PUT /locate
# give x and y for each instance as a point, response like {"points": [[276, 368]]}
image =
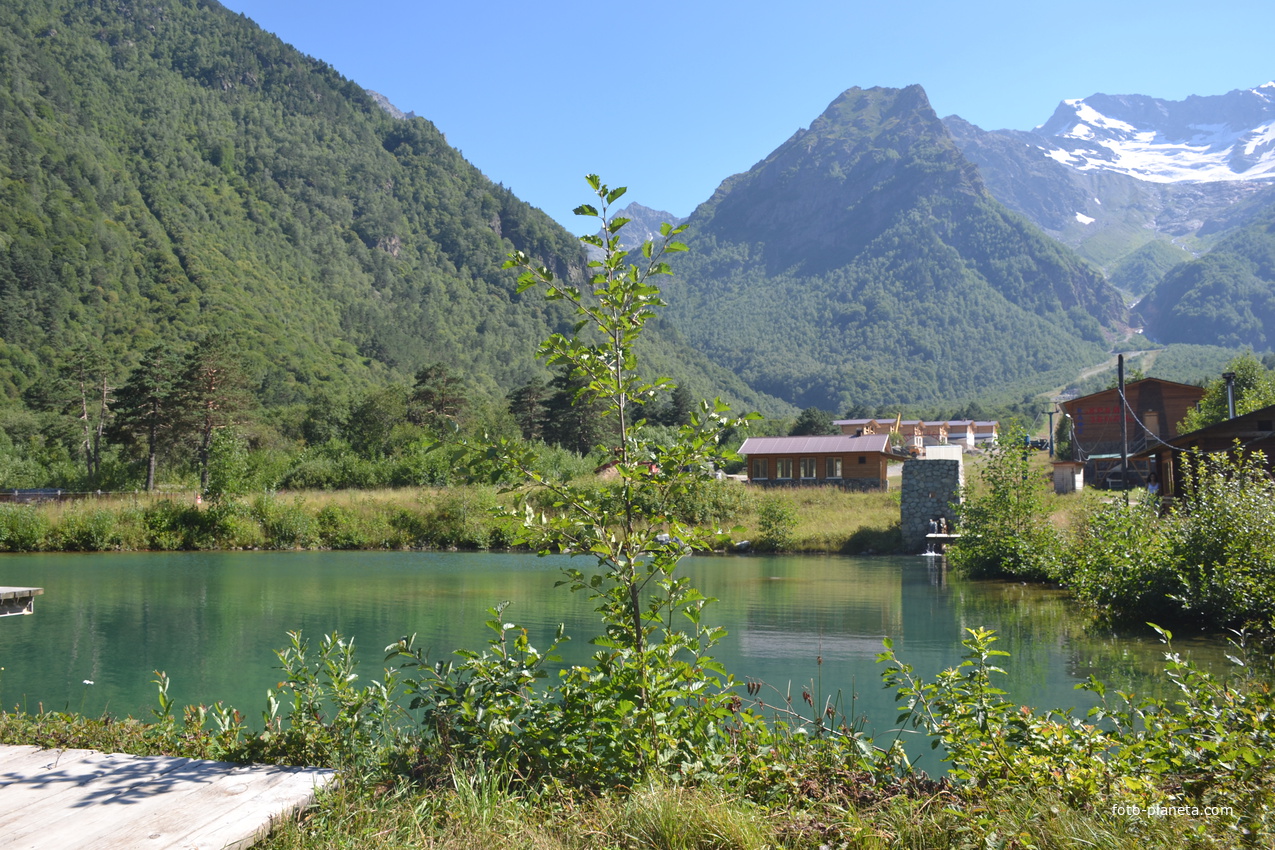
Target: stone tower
{"points": [[931, 489]]}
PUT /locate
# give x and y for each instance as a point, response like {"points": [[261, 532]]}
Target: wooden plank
{"points": [[83, 798], [18, 600], [19, 760], [72, 797], [32, 778]]}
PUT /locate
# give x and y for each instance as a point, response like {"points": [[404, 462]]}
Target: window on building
{"points": [[863, 459], [808, 467], [833, 468], [759, 467], [783, 467]]}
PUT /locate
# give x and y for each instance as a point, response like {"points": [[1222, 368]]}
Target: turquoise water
{"points": [[213, 620]]}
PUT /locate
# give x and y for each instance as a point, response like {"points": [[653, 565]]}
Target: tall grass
{"points": [[828, 520]]}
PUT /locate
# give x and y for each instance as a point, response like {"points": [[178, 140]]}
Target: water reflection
{"points": [[212, 621]]}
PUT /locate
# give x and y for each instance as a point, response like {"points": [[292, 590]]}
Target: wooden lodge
{"points": [[1248, 433], [917, 434], [986, 431], [865, 427], [857, 463], [1152, 410]]}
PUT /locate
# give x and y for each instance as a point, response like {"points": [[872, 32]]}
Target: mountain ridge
{"points": [[896, 247]]}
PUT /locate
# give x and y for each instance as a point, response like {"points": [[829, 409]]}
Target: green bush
{"points": [[23, 528], [462, 518], [167, 525], [1119, 559], [1212, 746], [86, 529], [285, 525], [228, 524], [344, 528], [228, 465], [1005, 531], [776, 522], [1222, 540], [410, 529]]}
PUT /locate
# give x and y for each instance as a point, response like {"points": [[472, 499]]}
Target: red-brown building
{"points": [[841, 460], [1151, 411]]}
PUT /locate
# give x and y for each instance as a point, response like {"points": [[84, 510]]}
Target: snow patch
{"points": [[1084, 219], [1262, 137], [1092, 116], [1196, 154]]}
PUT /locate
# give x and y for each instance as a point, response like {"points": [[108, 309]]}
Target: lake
{"points": [[213, 620]]}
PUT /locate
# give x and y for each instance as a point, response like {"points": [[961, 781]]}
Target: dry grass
{"points": [[831, 520]]}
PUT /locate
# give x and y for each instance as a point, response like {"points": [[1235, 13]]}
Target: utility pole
{"points": [[1124, 426]]}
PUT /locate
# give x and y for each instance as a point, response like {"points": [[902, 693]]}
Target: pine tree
{"points": [[214, 394], [148, 408]]}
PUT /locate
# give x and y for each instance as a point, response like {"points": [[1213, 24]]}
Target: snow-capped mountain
{"points": [[1135, 183], [1200, 139]]}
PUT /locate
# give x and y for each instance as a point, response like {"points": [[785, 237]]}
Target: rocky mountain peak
{"points": [[1199, 139]]}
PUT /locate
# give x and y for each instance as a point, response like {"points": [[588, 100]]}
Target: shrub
{"points": [[776, 522], [1119, 559], [23, 528], [83, 529], [286, 525], [167, 525], [462, 518], [343, 528], [1222, 540], [1004, 528]]}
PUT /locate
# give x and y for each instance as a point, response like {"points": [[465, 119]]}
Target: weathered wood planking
{"points": [[18, 600], [87, 799]]}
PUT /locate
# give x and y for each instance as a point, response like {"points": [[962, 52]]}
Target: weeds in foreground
{"points": [[1017, 777]]}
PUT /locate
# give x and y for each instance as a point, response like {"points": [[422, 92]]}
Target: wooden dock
{"points": [[18, 600], [88, 799]]}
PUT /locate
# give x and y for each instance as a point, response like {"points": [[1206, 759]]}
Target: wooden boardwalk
{"points": [[87, 799]]}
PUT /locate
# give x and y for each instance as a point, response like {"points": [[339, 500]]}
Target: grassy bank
{"points": [[1019, 779], [810, 520]]}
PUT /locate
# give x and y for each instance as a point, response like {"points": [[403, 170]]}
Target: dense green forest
{"points": [[1228, 294], [171, 170], [171, 174], [1140, 271], [864, 263]]}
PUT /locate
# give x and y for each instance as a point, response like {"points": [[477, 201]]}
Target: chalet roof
{"points": [[1073, 402], [832, 444], [986, 423]]}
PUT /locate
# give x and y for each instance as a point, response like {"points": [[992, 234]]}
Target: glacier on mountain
{"points": [[1198, 140]]}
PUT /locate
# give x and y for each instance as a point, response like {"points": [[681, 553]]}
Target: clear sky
{"points": [[670, 99]]}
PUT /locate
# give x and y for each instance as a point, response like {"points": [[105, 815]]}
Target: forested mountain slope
{"points": [[167, 169], [1227, 295], [864, 263]]}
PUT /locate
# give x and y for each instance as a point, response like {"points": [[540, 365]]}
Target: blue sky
{"points": [[670, 99]]}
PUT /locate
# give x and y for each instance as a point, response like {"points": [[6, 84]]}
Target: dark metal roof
{"points": [[833, 444], [1221, 435]]}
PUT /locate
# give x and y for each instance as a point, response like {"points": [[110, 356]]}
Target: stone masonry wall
{"points": [[929, 489]]}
